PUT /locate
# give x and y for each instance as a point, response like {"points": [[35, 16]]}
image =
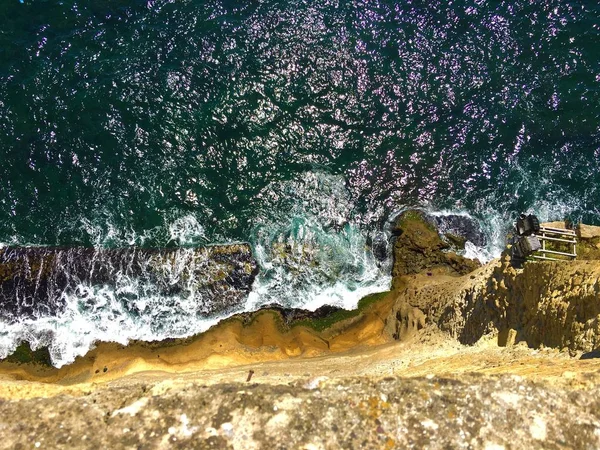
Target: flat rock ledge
{"points": [[474, 411]]}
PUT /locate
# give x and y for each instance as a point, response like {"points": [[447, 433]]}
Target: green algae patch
{"points": [[324, 323], [23, 354], [327, 321], [458, 242], [414, 219], [371, 299]]}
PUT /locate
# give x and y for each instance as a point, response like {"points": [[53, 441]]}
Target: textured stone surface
{"points": [[33, 280], [418, 247], [554, 304], [557, 224], [436, 413], [588, 231]]}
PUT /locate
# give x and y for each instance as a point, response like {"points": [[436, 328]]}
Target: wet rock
{"points": [[291, 315], [418, 246], [379, 244], [456, 241], [34, 281], [458, 228]]}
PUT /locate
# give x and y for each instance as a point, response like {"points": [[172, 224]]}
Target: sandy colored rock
{"points": [[496, 358], [558, 224], [588, 231], [388, 413], [507, 338], [428, 391], [554, 304], [254, 337]]}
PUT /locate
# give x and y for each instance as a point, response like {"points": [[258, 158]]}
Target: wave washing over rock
{"points": [[428, 390], [310, 254], [67, 299], [300, 128]]}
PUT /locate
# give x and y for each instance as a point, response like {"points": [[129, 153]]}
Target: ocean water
{"points": [[302, 127]]}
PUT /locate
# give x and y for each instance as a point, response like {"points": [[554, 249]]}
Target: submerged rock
{"points": [[458, 228], [36, 281]]}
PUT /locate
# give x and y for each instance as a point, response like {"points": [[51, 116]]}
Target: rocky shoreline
{"points": [[446, 317]]}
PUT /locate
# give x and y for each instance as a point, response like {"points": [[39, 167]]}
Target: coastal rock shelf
{"points": [[37, 281]]}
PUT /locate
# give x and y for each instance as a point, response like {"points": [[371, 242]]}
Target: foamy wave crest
{"points": [[304, 265], [312, 253], [67, 299], [177, 229], [97, 314], [186, 230]]}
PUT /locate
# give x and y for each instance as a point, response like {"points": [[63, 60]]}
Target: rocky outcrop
{"points": [[419, 247], [314, 413], [588, 231], [271, 333], [457, 229], [588, 245], [34, 281], [552, 304]]}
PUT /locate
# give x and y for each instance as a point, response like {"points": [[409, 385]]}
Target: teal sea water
{"points": [[297, 125]]}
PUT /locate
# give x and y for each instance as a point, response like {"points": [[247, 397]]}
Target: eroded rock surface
{"points": [[436, 413], [35, 281], [419, 247], [554, 304]]}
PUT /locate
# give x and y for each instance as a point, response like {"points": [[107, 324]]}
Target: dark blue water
{"points": [[301, 127]]}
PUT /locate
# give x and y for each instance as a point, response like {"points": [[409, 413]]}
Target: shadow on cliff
{"points": [[591, 355]]}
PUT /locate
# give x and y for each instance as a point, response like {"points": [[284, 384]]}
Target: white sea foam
{"points": [[183, 229], [311, 253], [186, 230], [95, 313], [314, 267], [320, 267]]}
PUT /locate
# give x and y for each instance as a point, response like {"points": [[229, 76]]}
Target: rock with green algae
{"points": [[35, 281], [419, 247], [456, 241], [23, 354], [501, 412]]}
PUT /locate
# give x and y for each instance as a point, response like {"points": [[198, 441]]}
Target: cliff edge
{"points": [[455, 355]]}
